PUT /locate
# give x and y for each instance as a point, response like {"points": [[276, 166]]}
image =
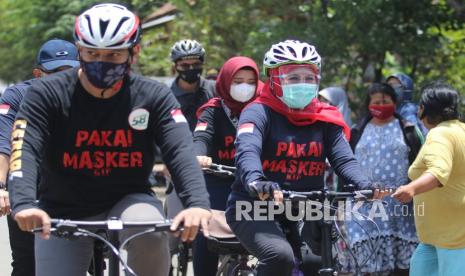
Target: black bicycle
{"points": [[234, 259], [230, 250], [71, 229], [326, 224]]}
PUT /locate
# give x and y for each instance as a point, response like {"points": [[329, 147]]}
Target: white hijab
{"points": [[338, 98]]}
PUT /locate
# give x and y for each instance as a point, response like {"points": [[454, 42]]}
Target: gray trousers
{"points": [[148, 255]]}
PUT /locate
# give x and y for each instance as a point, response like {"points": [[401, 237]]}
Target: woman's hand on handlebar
{"points": [[204, 161], [28, 219], [380, 193], [263, 190]]}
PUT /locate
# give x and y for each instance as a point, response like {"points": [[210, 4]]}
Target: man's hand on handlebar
{"points": [[204, 161], [191, 219], [28, 219]]}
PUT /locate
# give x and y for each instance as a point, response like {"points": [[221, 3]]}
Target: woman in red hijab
{"points": [[237, 85]]}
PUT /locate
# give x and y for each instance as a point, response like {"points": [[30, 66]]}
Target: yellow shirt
{"points": [[440, 213]]}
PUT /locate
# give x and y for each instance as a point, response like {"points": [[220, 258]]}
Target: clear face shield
{"points": [[299, 84]]}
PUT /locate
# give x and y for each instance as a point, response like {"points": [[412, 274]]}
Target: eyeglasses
{"points": [[187, 66], [297, 78]]}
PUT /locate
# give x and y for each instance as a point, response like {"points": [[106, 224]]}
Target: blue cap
{"points": [[56, 53]]}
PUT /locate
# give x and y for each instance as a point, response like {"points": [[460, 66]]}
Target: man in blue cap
{"points": [[55, 55], [403, 85]]}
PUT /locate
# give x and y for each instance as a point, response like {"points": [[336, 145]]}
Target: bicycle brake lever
{"points": [[297, 197], [39, 230], [359, 196], [66, 230]]}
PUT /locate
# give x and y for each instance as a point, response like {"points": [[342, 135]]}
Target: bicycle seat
{"points": [[222, 240], [218, 227], [229, 246]]}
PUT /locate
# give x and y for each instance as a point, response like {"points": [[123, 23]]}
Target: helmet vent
{"points": [[304, 51], [87, 42], [292, 51], [280, 57], [103, 27], [185, 48], [117, 44], [124, 19], [87, 17], [276, 51]]}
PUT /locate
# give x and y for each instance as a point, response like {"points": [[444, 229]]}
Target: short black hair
{"points": [[440, 102], [382, 88]]}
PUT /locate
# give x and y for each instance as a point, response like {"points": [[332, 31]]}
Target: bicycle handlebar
{"points": [[219, 169], [72, 229], [321, 195], [223, 167], [110, 224]]}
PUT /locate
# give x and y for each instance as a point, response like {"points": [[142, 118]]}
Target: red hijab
{"points": [[315, 111], [223, 85]]}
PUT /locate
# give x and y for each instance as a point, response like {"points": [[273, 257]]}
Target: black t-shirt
{"points": [[96, 151], [214, 136], [190, 102]]}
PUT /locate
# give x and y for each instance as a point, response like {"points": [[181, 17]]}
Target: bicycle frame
{"points": [[326, 224]]}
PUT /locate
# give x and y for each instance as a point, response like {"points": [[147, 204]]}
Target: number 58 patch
{"points": [[139, 119]]}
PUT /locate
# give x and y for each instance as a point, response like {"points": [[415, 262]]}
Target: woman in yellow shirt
{"points": [[438, 186]]}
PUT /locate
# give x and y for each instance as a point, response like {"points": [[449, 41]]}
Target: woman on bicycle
{"points": [[438, 186], [283, 140], [237, 85]]}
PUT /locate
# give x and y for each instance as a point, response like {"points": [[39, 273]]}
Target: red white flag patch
{"points": [[201, 126], [245, 128], [178, 117], [4, 108]]}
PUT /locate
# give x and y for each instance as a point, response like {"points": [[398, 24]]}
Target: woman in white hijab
{"points": [[336, 96]]}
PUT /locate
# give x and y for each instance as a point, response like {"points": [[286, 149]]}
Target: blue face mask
{"points": [[104, 74], [299, 95]]}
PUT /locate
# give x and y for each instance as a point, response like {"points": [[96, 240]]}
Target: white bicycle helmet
{"points": [[187, 48], [107, 26], [291, 51]]}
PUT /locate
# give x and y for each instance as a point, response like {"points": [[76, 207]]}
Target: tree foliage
{"points": [[360, 41], [27, 24]]}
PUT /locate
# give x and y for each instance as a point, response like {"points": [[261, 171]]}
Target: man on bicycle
{"points": [[190, 89], [55, 55], [90, 133]]}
